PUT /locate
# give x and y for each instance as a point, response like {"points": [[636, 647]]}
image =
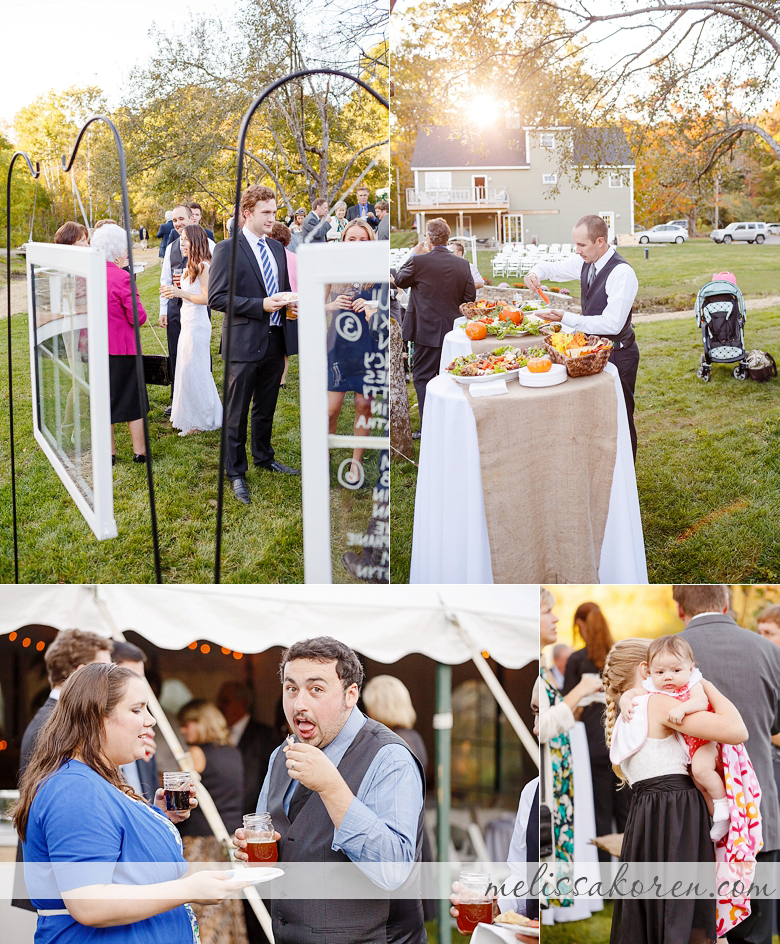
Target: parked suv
{"points": [[740, 232], [683, 223]]}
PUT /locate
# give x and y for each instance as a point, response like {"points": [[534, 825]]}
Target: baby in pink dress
{"points": [[671, 671]]}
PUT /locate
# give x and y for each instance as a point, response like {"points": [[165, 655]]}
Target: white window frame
{"points": [[90, 264], [615, 181], [549, 178], [317, 267], [434, 180], [508, 222], [547, 135]]}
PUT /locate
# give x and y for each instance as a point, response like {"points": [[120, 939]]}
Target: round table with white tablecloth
{"points": [[450, 541]]}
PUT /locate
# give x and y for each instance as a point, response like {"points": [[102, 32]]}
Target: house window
{"points": [[513, 228], [547, 141], [549, 178], [615, 180], [438, 180]]}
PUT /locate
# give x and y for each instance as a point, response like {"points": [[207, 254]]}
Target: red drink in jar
{"points": [[470, 914], [262, 851]]}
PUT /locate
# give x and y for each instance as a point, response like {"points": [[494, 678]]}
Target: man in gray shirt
{"points": [[746, 668], [383, 212], [316, 223]]}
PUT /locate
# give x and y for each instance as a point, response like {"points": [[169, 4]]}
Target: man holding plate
{"points": [[609, 286]]}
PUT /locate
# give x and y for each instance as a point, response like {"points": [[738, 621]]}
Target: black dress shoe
{"points": [[137, 458], [113, 460], [167, 410], [280, 467], [416, 434], [240, 490]]}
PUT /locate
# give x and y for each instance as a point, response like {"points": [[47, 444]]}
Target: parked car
{"points": [[664, 233], [741, 232], [773, 229], [638, 228], [682, 223]]}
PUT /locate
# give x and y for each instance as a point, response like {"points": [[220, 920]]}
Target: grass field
{"points": [[708, 469], [262, 542], [673, 270]]}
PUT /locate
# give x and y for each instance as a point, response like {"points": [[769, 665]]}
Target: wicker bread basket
{"points": [[470, 310], [581, 366]]}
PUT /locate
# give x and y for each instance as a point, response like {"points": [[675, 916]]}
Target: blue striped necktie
{"points": [[269, 278]]}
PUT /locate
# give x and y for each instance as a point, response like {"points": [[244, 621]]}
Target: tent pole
{"points": [[442, 723], [184, 761]]}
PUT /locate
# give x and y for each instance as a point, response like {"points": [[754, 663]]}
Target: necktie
{"points": [[591, 274], [268, 277], [299, 797]]}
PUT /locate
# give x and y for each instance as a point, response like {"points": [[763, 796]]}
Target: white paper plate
{"points": [[256, 875], [514, 928], [289, 296], [507, 375], [555, 375]]}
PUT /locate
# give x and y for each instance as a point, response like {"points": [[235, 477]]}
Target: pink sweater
{"points": [[292, 269], [121, 334]]}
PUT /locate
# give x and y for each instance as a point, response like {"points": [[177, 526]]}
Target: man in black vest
{"points": [[347, 790], [609, 286]]}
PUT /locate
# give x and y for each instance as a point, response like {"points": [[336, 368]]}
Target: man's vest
{"points": [[310, 838], [594, 299]]}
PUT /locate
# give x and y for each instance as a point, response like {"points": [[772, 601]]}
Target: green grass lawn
{"points": [[708, 469], [262, 542], [672, 270]]}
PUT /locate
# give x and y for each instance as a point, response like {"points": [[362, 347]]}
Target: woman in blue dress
{"points": [[101, 863], [351, 350]]}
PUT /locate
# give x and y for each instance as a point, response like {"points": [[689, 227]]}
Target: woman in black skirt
{"points": [[668, 820], [126, 405]]}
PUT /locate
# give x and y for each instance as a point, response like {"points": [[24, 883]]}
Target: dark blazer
{"points": [[353, 213], [251, 323], [440, 281], [208, 233], [164, 234], [20, 897], [256, 745], [321, 228], [746, 668], [31, 732]]}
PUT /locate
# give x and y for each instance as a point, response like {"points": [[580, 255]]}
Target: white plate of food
{"points": [[517, 922], [502, 363], [486, 378], [557, 374], [288, 296], [257, 875]]}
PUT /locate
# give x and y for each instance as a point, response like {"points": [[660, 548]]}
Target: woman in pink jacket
{"points": [[125, 406]]}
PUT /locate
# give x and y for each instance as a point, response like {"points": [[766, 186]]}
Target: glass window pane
{"points": [[62, 370]]}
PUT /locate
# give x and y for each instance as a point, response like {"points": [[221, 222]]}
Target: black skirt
{"points": [[123, 384], [668, 822]]}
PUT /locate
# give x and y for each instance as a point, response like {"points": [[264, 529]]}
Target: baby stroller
{"points": [[720, 313]]}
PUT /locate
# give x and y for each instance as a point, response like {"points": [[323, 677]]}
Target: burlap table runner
{"points": [[523, 343], [548, 458]]}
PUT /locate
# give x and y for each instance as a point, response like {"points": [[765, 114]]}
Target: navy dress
{"points": [[350, 346]]}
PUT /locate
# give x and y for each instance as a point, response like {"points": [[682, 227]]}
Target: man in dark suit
{"points": [[197, 215], [258, 336], [746, 668], [440, 282], [315, 223], [140, 774], [170, 308], [363, 209], [383, 215], [72, 649], [164, 232]]}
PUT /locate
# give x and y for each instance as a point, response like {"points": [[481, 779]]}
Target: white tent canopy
{"points": [[384, 623]]}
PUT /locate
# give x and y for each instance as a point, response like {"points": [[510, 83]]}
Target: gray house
{"points": [[499, 185]]}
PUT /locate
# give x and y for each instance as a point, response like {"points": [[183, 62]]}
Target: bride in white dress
{"points": [[196, 404]]}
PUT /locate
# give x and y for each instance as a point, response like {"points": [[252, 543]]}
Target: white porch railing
{"points": [[473, 196]]}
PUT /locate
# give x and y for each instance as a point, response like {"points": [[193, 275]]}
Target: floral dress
{"points": [[559, 748]]}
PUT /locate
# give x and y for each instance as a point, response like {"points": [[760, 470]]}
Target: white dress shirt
{"points": [[276, 318], [622, 286], [166, 275], [518, 852]]}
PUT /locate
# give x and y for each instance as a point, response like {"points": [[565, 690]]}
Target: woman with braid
{"points": [[649, 754]]}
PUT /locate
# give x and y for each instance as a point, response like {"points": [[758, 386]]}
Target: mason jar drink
{"points": [[260, 842], [176, 785], [476, 905]]}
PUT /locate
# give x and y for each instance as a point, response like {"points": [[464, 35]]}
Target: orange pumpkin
{"points": [[539, 365], [513, 315], [476, 331]]}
